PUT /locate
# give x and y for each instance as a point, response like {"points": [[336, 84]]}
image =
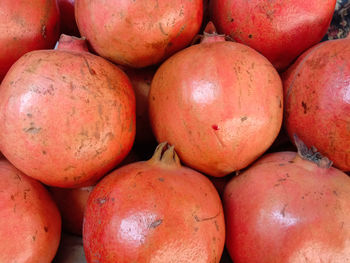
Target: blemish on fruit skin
{"points": [[215, 127]]}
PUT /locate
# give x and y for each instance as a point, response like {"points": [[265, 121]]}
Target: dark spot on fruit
{"points": [[335, 193], [33, 237], [232, 20], [244, 118], [250, 36], [44, 152], [281, 164], [153, 98], [46, 229], [196, 229], [29, 115], [283, 211], [156, 223], [161, 179], [216, 225], [12, 197], [280, 104], [303, 104], [215, 127], [291, 161], [276, 185]]}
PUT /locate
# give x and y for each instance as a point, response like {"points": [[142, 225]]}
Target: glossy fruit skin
{"points": [[220, 104], [280, 30], [153, 212], [286, 209], [138, 33], [67, 117], [317, 100], [26, 26], [67, 18], [30, 221]]}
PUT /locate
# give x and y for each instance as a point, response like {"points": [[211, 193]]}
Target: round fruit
{"points": [[26, 26], [289, 208], [154, 211], [138, 33], [68, 117], [219, 103], [317, 99], [30, 224], [280, 30]]}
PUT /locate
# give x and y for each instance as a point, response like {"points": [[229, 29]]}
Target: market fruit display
{"points": [[280, 30], [138, 33], [30, 223], [219, 103], [317, 100], [154, 211], [67, 116], [225, 184], [289, 207], [25, 26]]}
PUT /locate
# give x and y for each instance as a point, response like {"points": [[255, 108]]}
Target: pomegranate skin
{"points": [[280, 30], [154, 211], [317, 100], [30, 223], [286, 209], [67, 18], [219, 103], [67, 116], [26, 26], [138, 33]]}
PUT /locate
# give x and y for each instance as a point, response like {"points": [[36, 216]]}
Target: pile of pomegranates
{"points": [[202, 131]]}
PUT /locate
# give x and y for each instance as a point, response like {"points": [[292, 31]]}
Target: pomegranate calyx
{"points": [[210, 35], [72, 43], [311, 154], [166, 154]]}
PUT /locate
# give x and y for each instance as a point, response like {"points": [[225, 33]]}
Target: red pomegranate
{"points": [[280, 30], [30, 224], [317, 98], [154, 211], [68, 117], [141, 82], [219, 103], [289, 207], [26, 26], [67, 17], [138, 33]]}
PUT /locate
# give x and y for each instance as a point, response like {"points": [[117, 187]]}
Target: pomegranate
{"points": [[154, 211], [71, 203], [141, 82], [289, 207], [219, 103], [317, 98], [26, 26], [68, 117], [67, 17], [280, 30], [138, 33], [30, 224]]}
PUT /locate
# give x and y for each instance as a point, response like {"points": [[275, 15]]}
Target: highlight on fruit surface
{"points": [[68, 116], [154, 211], [289, 207], [218, 102]]}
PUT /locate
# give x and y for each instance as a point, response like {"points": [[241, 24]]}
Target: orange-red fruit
{"points": [[219, 103], [280, 30], [67, 116], [71, 203], [138, 33], [30, 224], [26, 26], [141, 82], [68, 24], [317, 99], [154, 211], [287, 209]]}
